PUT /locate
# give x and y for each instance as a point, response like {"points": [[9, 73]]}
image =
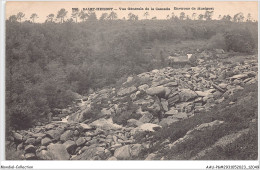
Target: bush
{"points": [[239, 41], [217, 42]]}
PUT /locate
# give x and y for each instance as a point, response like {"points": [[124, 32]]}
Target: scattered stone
{"points": [[187, 94], [54, 134], [18, 137], [66, 135], [30, 156], [46, 141], [159, 90], [30, 141], [171, 112], [149, 127], [146, 118], [29, 149], [126, 91], [123, 153], [80, 141], [136, 150], [55, 152], [70, 146], [133, 123]]}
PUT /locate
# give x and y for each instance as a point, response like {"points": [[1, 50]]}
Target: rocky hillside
{"points": [[171, 113]]}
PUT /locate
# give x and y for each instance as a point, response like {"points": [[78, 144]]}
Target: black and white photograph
{"points": [[115, 81]]}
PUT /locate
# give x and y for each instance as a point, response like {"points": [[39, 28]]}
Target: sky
{"points": [[45, 8]]}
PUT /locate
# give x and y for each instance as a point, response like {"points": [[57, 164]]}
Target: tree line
{"points": [[87, 15]]}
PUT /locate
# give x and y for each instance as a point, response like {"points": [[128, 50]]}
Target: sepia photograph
{"points": [[132, 81]]}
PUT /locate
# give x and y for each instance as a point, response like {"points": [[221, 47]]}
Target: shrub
{"points": [[217, 42], [239, 41]]}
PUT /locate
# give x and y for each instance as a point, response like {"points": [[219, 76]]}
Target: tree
{"points": [[75, 14], [83, 15], [194, 16], [200, 17], [33, 17], [20, 16], [112, 16], [182, 16], [226, 18], [249, 18], [50, 18], [208, 15], [103, 16], [173, 15], [13, 18], [92, 16], [239, 17], [132, 17], [62, 14], [146, 14]]}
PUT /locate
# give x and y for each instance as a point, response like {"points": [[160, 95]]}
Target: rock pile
{"points": [[161, 97]]}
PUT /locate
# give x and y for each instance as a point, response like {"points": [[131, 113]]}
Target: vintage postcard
{"points": [[161, 84]]}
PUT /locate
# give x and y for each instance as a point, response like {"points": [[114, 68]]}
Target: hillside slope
{"points": [[208, 111]]}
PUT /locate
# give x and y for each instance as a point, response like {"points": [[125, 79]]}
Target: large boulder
{"points": [[80, 116], [30, 156], [143, 87], [123, 153], [81, 141], [92, 153], [85, 127], [133, 123], [171, 112], [29, 149], [159, 91], [55, 134], [126, 91], [105, 124], [187, 94], [148, 127], [146, 118], [30, 141], [168, 121], [45, 141], [66, 135], [55, 152], [70, 146], [18, 137], [136, 150]]}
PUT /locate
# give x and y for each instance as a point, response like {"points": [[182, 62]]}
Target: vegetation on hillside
{"points": [[47, 64]]}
